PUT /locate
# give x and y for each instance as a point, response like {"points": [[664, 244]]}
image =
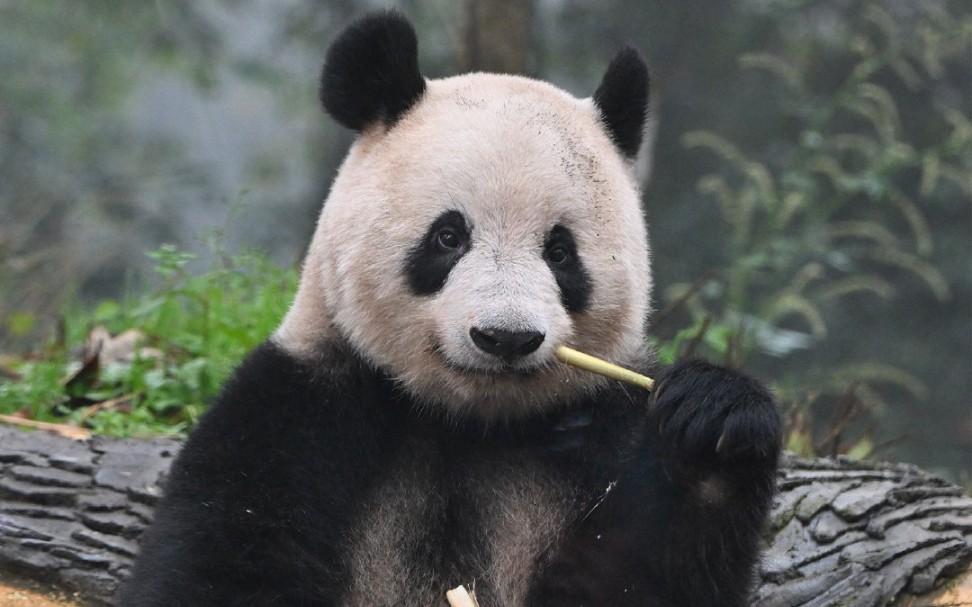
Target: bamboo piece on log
{"points": [[460, 597]]}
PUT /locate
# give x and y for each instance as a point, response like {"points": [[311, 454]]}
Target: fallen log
{"points": [[843, 532], [860, 534]]}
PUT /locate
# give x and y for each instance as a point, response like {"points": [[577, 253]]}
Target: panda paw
{"points": [[702, 414]]}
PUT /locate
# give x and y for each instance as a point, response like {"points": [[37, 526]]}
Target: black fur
{"points": [[572, 278], [622, 98], [682, 525], [428, 263], [371, 72], [261, 500]]}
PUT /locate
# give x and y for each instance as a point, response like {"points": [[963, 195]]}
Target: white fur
{"points": [[525, 507], [516, 157]]}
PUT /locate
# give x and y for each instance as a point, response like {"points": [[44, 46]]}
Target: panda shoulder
{"points": [[274, 400]]}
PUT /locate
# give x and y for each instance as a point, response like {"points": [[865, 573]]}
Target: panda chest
{"points": [[434, 522]]}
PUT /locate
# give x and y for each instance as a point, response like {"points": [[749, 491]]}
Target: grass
{"points": [[188, 333]]}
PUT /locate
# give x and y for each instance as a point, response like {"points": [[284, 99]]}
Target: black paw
{"points": [[703, 413]]}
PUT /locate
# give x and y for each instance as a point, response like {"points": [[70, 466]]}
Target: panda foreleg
{"points": [[677, 523], [715, 436]]}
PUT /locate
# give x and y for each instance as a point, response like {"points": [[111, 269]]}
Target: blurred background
{"points": [[809, 187]]}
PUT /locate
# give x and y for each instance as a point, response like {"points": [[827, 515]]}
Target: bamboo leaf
{"points": [[805, 275], [916, 221], [903, 69], [871, 372], [869, 65], [884, 22], [763, 180], [855, 284], [961, 128], [931, 170], [958, 177], [884, 102], [775, 65], [791, 304], [865, 230], [716, 186], [870, 109], [918, 266], [716, 144], [793, 203], [853, 142], [828, 167]]}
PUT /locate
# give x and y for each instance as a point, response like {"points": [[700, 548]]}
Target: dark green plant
{"points": [[838, 212], [194, 329]]}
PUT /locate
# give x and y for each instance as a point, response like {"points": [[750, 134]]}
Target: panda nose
{"points": [[508, 345]]}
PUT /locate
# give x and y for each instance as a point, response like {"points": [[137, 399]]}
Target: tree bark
{"points": [[860, 534], [847, 533], [496, 35], [71, 511]]}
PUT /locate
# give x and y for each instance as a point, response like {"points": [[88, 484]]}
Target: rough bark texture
{"points": [[843, 533], [71, 511], [857, 534]]}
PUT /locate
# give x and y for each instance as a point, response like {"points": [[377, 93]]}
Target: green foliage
{"points": [[838, 213], [190, 332]]}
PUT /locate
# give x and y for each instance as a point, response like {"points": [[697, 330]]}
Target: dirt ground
{"points": [[957, 594], [18, 592]]}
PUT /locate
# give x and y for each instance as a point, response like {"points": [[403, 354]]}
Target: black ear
{"points": [[371, 71], [622, 98]]}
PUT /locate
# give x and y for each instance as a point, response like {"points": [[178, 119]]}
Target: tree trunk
{"points": [[496, 35], [846, 533]]}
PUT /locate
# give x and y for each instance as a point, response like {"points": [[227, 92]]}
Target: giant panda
{"points": [[407, 428]]}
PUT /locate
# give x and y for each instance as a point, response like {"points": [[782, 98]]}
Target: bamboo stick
{"points": [[596, 365], [460, 597]]}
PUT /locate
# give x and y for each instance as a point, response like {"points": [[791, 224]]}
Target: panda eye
{"points": [[436, 252], [447, 239], [558, 254]]}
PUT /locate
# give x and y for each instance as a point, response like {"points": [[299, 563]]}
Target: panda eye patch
{"points": [[433, 256], [560, 253]]}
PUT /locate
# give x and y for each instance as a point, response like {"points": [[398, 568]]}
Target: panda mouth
{"points": [[501, 370]]}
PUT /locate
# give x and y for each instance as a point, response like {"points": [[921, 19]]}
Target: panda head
{"points": [[477, 222]]}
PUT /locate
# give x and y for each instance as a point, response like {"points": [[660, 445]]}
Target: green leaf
{"points": [[21, 323], [862, 449]]}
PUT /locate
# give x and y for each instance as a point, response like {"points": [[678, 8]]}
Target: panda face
{"points": [[491, 223]]}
